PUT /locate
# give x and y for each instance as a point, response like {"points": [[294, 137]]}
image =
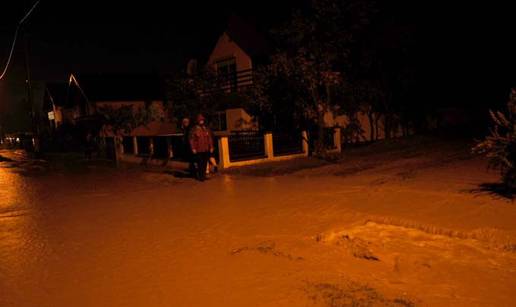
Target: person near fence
{"points": [[187, 151], [201, 143]]}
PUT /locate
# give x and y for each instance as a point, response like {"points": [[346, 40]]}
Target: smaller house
{"points": [[80, 102], [89, 94], [93, 93]]}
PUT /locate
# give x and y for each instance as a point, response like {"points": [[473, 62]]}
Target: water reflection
{"points": [[228, 184], [19, 243], [10, 189]]}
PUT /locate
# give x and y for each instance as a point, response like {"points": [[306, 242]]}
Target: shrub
{"points": [[500, 145]]}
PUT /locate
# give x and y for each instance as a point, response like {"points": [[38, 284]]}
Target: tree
{"points": [[276, 99], [500, 145], [313, 54], [365, 97], [121, 120], [382, 74], [203, 91]]}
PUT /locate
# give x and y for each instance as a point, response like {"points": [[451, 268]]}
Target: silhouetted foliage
{"points": [[308, 70], [382, 76], [123, 119], [500, 145], [202, 92]]}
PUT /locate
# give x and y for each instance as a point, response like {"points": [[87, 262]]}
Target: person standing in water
{"points": [[201, 143]]}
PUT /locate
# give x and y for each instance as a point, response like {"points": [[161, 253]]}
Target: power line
{"points": [[10, 53], [29, 12], [16, 37]]}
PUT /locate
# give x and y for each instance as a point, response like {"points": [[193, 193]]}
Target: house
{"points": [[81, 101], [89, 94], [238, 50]]}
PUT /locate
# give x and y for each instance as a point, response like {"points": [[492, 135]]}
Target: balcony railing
{"points": [[232, 82]]}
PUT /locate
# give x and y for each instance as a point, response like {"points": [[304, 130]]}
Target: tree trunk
{"points": [[376, 120], [319, 142], [405, 128], [320, 147], [118, 150], [371, 126], [387, 126]]}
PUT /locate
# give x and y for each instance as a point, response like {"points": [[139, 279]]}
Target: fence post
{"points": [[267, 141], [135, 145], [223, 152], [337, 139], [120, 142], [304, 137], [119, 149], [151, 147], [103, 147]]}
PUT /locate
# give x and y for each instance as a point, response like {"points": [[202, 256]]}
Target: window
{"points": [[226, 70]]}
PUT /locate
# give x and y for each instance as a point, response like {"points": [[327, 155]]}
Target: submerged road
{"points": [[97, 236]]}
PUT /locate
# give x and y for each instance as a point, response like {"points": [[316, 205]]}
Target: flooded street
{"points": [[97, 236]]}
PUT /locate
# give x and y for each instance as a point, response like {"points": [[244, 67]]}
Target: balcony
{"points": [[232, 82]]}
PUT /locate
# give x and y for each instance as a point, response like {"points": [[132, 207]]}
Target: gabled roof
{"points": [[245, 34], [120, 87], [56, 93]]}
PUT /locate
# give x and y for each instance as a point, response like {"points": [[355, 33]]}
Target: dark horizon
{"points": [[95, 36], [463, 54]]}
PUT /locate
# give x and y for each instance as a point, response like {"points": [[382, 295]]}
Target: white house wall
{"points": [[238, 120]]}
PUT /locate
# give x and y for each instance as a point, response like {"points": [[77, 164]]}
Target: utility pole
{"points": [[28, 79], [30, 98]]}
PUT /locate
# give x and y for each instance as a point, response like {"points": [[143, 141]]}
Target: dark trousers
{"points": [[201, 161], [191, 159]]}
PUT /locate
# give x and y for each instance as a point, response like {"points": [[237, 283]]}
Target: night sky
{"points": [[126, 36], [115, 36], [464, 52]]}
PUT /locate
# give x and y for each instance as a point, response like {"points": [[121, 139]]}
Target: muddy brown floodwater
{"points": [[96, 236]]}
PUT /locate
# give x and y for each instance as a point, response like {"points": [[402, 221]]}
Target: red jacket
{"points": [[201, 139]]}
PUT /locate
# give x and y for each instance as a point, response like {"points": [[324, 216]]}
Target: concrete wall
{"points": [[331, 120], [224, 157], [225, 161]]}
